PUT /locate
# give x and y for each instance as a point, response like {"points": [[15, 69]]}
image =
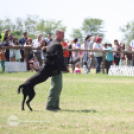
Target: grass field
{"points": [[95, 104]]}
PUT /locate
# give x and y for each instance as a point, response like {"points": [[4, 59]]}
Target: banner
{"points": [[15, 67], [121, 70]]}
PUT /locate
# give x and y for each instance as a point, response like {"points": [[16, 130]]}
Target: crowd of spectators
{"points": [[74, 59]]}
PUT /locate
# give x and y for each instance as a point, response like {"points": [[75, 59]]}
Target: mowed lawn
{"points": [[95, 104]]}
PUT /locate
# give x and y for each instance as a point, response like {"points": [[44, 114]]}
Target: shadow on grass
{"points": [[80, 111]]}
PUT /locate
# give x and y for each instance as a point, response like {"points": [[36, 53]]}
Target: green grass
{"points": [[95, 104]]}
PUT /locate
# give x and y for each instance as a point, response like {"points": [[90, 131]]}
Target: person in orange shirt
{"points": [[66, 53], [3, 59]]}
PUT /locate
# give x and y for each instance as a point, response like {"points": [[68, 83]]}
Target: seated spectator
{"points": [[3, 58], [34, 64], [129, 57], [77, 69]]}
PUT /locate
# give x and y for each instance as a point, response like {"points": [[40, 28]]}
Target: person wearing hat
{"points": [[53, 67], [98, 55], [22, 42], [4, 36]]}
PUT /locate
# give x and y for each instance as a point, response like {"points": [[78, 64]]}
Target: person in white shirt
{"points": [[98, 55], [37, 53]]}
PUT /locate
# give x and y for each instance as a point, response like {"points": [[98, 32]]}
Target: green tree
{"points": [[77, 33], [93, 26], [128, 31]]}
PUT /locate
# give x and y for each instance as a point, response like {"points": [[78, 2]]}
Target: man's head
{"points": [[39, 37], [24, 34], [10, 37], [49, 36], [59, 35], [6, 32]]}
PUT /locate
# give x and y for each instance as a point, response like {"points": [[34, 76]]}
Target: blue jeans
{"points": [[98, 61]]}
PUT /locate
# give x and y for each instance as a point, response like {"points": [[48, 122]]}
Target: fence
{"points": [[34, 48]]}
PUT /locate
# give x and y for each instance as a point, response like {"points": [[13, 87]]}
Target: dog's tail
{"points": [[18, 91]]}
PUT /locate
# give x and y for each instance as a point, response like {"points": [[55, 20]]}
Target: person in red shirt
{"points": [[66, 53]]}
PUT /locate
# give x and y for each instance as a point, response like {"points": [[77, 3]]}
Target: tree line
{"points": [[33, 24]]}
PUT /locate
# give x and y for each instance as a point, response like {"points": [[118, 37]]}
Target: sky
{"points": [[115, 13]]}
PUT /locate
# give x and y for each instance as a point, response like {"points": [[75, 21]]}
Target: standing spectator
{"points": [[43, 45], [75, 54], [10, 38], [37, 53], [117, 47], [3, 58], [98, 55], [132, 44], [49, 39], [17, 54], [29, 53], [109, 57], [66, 53], [22, 42], [6, 43], [85, 54], [4, 36], [70, 42], [92, 62], [129, 57], [123, 60]]}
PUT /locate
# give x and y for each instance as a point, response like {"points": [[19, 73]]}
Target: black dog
{"points": [[28, 86]]}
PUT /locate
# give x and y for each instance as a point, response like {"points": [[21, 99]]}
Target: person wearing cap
{"points": [[22, 42], [98, 55], [4, 36], [49, 39]]}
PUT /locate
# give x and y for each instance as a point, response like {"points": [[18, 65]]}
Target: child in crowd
{"points": [[77, 69], [3, 59], [129, 57], [34, 64], [109, 57]]}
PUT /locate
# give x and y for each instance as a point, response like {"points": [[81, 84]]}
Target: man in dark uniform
{"points": [[56, 80], [54, 65]]}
